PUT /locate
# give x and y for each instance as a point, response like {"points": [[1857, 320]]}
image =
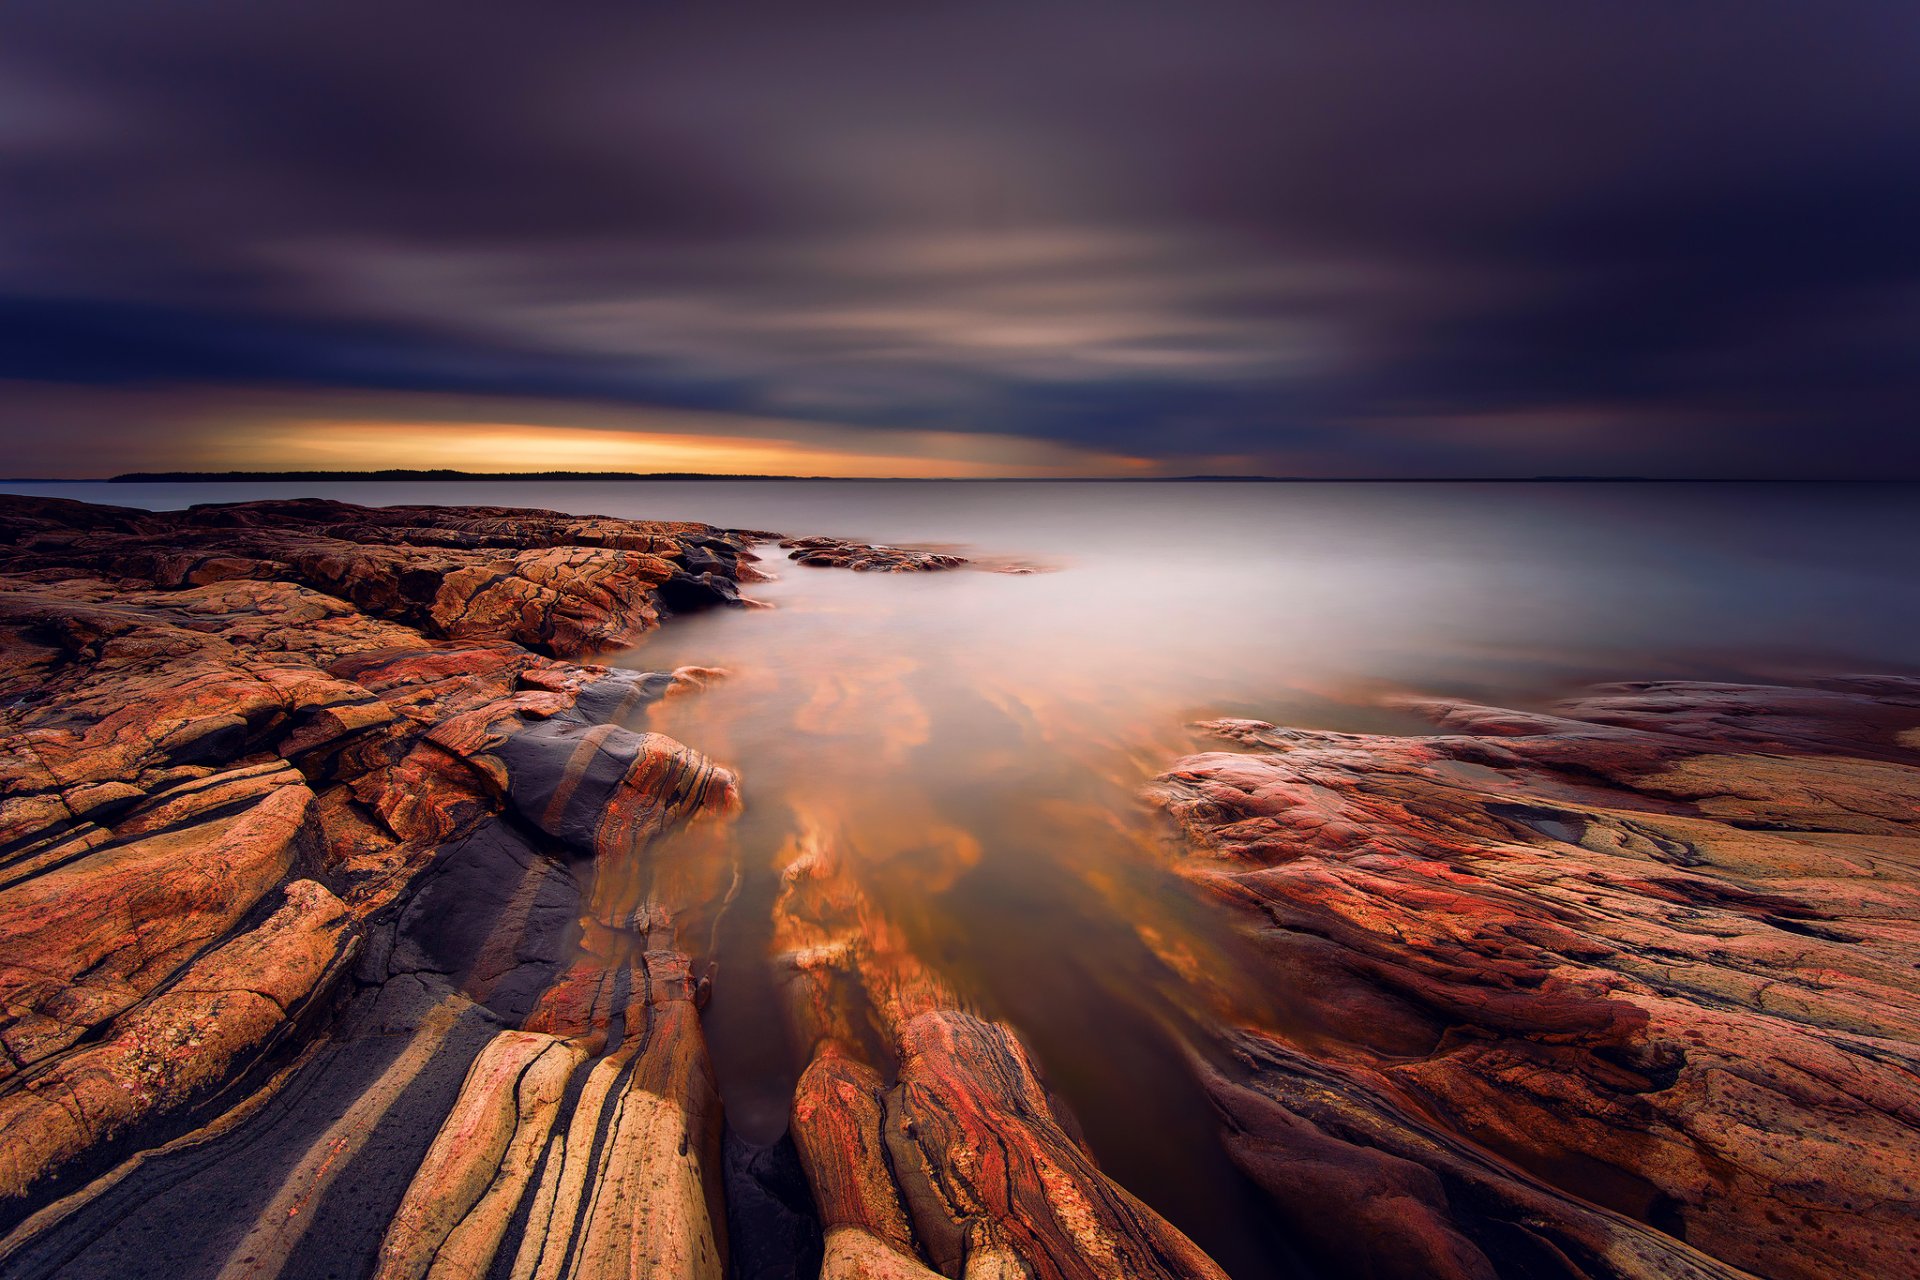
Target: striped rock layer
{"points": [[307, 825], [1630, 990], [337, 937]]}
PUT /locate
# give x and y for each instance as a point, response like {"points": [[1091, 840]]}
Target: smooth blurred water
{"points": [[974, 743], [1248, 587]]}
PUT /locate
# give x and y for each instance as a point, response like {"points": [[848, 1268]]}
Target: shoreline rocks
{"points": [[241, 745], [932, 1143], [863, 557], [1626, 990], [336, 922], [332, 921]]}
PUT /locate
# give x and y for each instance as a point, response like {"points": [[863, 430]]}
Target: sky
{"points": [[1039, 238]]}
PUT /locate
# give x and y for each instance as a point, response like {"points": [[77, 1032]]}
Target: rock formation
{"points": [[961, 1165], [1628, 990], [286, 788], [834, 553], [341, 933], [334, 922]]}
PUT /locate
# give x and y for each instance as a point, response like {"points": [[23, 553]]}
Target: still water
{"points": [[971, 745]]}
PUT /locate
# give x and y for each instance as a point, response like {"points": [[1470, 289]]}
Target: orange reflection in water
{"points": [[934, 822]]}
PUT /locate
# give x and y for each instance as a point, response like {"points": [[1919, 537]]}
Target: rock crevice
{"points": [[267, 761]]}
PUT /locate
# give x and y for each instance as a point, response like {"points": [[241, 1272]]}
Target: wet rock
{"points": [[692, 592], [961, 1164], [587, 1143], [294, 812], [773, 1232], [1578, 988], [836, 553]]}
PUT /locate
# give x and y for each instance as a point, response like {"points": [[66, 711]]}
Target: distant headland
{"points": [[444, 474]]}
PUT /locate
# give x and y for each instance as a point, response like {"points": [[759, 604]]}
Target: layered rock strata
{"points": [[305, 818], [337, 923], [1627, 990], [931, 1142], [335, 920]]}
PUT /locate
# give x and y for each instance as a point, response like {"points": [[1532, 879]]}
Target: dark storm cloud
{"points": [[1353, 238]]}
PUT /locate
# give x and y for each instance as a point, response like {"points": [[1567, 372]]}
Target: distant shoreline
{"points": [[442, 476]]}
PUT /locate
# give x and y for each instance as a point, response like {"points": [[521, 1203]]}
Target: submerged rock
{"points": [[835, 553], [962, 1163]]}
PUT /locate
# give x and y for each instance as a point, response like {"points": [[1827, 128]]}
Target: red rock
{"points": [[219, 705], [89, 935], [966, 1147], [1543, 964], [1623, 991], [559, 584], [219, 1014]]}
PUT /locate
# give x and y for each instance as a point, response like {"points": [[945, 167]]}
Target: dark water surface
{"points": [[974, 743]]}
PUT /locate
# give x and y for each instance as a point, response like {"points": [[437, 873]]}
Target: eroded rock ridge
{"points": [[1628, 990], [338, 933]]}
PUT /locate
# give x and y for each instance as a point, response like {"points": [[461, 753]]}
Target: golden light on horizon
{"points": [[358, 444]]}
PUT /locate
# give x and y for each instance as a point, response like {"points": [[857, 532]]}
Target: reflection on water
{"points": [[967, 748], [986, 812], [971, 745]]}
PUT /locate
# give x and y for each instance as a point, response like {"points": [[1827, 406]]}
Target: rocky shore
{"points": [[339, 936], [301, 808], [331, 942], [1628, 990]]}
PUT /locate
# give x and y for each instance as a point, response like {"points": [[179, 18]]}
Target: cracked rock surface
{"points": [[335, 938], [1631, 989], [302, 811], [353, 923]]}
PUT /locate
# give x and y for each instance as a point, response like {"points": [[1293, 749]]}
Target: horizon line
{"points": [[443, 474]]}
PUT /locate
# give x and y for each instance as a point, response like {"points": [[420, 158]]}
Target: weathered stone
{"points": [[219, 1014], [89, 935], [836, 553], [221, 707], [963, 1164], [1582, 986], [459, 1207], [560, 584]]}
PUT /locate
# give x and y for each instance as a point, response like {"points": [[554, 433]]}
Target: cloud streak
{"points": [[1338, 239]]}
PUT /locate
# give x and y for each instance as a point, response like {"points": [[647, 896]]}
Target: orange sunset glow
{"points": [[323, 444]]}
